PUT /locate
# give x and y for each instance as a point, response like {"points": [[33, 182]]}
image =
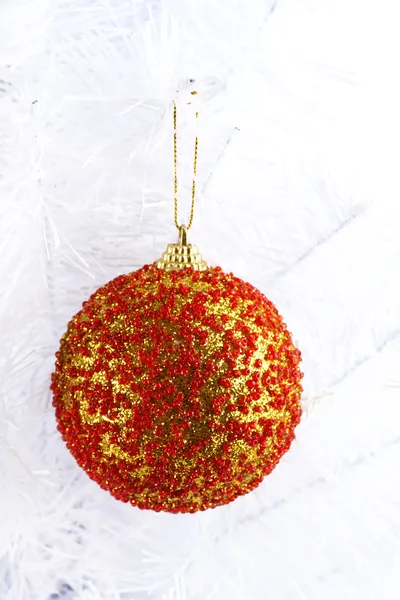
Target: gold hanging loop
{"points": [[196, 146], [182, 255]]}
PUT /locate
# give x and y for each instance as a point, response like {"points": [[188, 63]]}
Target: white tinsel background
{"points": [[297, 193]]}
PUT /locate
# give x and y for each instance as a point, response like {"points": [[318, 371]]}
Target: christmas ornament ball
{"points": [[177, 391]]}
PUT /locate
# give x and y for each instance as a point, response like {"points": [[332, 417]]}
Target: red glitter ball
{"points": [[177, 391]]}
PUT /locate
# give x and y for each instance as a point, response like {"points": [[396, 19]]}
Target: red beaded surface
{"points": [[177, 391]]}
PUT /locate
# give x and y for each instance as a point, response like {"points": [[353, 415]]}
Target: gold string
{"points": [[196, 144]]}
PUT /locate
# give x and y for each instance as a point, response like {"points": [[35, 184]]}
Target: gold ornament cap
{"points": [[181, 255]]}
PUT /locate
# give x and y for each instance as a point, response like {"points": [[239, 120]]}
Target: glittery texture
{"points": [[177, 391]]}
